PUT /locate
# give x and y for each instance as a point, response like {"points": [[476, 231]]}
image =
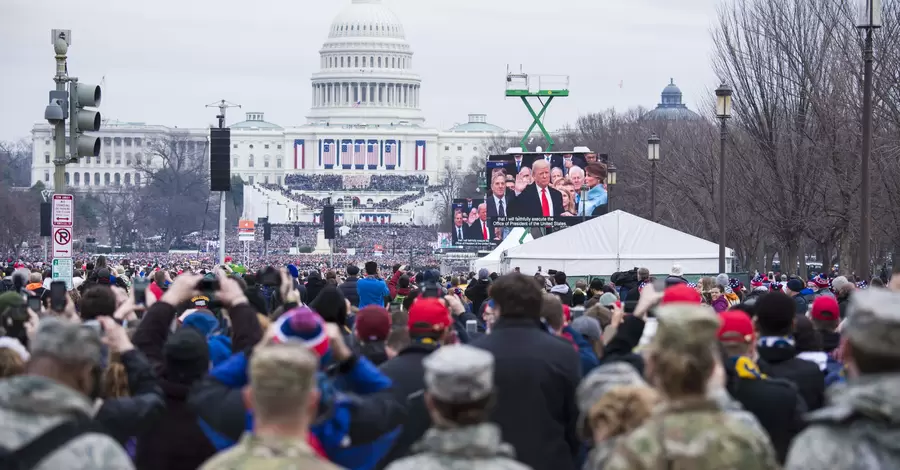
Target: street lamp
{"points": [[583, 201], [610, 182], [869, 19], [723, 113], [653, 156]]}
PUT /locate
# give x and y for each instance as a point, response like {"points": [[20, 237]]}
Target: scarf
{"points": [[775, 341], [746, 368]]}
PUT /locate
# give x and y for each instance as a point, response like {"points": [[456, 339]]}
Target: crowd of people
{"points": [[153, 365], [375, 182]]}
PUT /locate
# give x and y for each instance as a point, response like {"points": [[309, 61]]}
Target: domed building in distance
{"points": [[671, 107]]}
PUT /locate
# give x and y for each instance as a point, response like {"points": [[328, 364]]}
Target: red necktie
{"points": [[484, 230], [545, 204]]}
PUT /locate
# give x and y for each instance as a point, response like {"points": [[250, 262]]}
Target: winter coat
{"points": [[563, 292], [31, 405], [477, 292], [348, 288], [314, 285], [720, 304], [781, 361], [176, 441], [477, 447], [858, 429], [408, 377], [126, 417], [535, 378], [356, 430]]}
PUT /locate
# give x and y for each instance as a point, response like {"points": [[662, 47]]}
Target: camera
{"points": [[208, 285]]}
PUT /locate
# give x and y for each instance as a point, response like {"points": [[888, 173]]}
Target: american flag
{"points": [[328, 154], [346, 157], [371, 156], [390, 155], [358, 156]]}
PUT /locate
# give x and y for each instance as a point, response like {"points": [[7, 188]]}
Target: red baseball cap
{"points": [[825, 308], [428, 316], [680, 293], [735, 327], [373, 323]]}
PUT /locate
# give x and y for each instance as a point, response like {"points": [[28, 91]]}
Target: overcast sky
{"points": [[164, 60]]}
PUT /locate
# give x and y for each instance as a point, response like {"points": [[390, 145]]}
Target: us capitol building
{"points": [[365, 119]]}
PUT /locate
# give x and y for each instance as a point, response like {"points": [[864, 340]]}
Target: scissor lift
{"points": [[527, 86]]}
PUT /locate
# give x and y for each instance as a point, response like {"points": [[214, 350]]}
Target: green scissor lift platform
{"points": [[527, 86]]}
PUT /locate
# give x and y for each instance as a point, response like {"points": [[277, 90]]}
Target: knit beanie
{"points": [[303, 325], [186, 355]]}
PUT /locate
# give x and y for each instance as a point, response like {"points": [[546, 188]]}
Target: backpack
{"points": [[29, 456]]}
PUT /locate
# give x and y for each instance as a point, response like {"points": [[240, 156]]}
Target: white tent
{"points": [[491, 261], [615, 242]]}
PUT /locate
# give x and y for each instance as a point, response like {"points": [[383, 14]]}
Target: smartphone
{"points": [[58, 296], [140, 291], [471, 326], [208, 285], [34, 303]]}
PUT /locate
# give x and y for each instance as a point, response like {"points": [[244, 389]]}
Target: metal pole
{"points": [[222, 205], [59, 162], [722, 198], [653, 190], [865, 211]]}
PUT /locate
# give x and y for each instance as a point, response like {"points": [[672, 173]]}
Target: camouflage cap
{"points": [[598, 383], [459, 374], [873, 321], [682, 326]]}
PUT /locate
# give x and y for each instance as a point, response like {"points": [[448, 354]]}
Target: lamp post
{"points": [[653, 156], [723, 113], [583, 202], [869, 19], [610, 182]]}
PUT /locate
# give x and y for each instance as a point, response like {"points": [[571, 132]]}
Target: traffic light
{"points": [[84, 120]]}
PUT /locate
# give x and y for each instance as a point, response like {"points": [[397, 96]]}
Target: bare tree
{"points": [[176, 194], [15, 162]]}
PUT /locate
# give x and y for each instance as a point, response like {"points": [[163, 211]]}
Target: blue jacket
{"points": [[372, 291], [585, 352], [356, 430]]}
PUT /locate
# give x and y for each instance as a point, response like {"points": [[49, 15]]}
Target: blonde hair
{"points": [[281, 378], [623, 409], [11, 363], [115, 379]]}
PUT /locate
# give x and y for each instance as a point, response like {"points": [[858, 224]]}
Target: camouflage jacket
{"points": [[31, 405], [694, 435], [859, 428], [268, 453], [466, 448]]}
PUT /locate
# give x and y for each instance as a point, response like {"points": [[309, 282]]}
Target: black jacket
{"points": [[408, 377], [535, 377], [621, 347], [124, 418], [776, 404], [314, 285], [348, 288], [781, 362], [176, 441], [477, 293], [528, 202]]}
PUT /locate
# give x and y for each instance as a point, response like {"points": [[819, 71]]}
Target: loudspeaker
{"points": [[267, 232], [220, 159], [296, 231], [328, 222], [46, 226]]}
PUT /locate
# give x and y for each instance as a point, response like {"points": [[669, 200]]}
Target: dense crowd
{"points": [[375, 182], [155, 365], [361, 237]]}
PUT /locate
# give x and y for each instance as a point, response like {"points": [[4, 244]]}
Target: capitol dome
{"points": [[366, 75], [671, 107]]}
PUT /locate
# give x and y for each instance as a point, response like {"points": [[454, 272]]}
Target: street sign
{"points": [[62, 242], [63, 210], [62, 271]]}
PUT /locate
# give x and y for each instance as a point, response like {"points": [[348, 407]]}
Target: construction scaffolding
{"points": [[527, 86]]}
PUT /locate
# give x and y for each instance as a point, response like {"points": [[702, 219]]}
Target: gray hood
{"points": [[875, 399]]}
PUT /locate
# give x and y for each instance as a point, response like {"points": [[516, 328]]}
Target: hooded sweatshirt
{"points": [[859, 427]]}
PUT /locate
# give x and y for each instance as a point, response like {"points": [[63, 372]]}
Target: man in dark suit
{"points": [[539, 199], [514, 166], [480, 229], [498, 202], [459, 227]]}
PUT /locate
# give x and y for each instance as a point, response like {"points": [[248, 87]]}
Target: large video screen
{"points": [[545, 190], [471, 227]]}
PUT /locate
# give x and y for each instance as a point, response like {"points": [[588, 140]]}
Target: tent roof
{"points": [[515, 238], [618, 235]]}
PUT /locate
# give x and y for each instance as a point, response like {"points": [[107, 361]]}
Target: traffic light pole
{"points": [[223, 106], [60, 160]]}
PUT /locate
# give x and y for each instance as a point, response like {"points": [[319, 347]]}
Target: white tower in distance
{"points": [[366, 74]]}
